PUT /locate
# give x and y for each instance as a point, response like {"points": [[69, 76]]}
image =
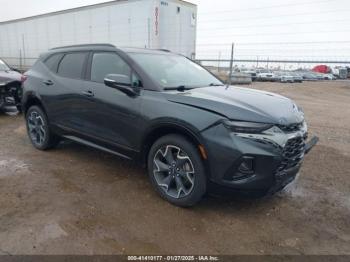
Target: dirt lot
{"points": [[76, 200]]}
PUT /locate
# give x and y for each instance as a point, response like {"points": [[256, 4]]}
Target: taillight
{"points": [[23, 78]]}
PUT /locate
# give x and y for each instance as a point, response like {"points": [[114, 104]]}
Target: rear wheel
{"points": [[176, 170], [38, 129]]}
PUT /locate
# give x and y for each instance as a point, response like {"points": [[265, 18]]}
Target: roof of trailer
{"points": [[83, 8]]}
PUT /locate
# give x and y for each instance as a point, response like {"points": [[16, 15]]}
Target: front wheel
{"points": [[176, 170], [38, 129]]}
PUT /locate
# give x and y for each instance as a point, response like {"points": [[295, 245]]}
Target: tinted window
{"points": [[72, 65], [52, 62], [107, 63]]}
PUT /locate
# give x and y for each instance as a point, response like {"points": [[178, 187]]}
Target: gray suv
{"points": [[189, 130]]}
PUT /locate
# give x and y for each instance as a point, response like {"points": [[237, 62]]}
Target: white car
{"points": [[329, 77], [287, 79], [266, 76]]}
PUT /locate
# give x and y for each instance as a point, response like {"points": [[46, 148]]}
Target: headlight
{"points": [[246, 127]]}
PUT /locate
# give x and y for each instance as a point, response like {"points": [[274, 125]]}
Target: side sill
{"points": [[87, 143]]}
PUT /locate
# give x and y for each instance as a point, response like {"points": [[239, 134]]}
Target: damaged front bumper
{"points": [[285, 176], [10, 94], [264, 162]]}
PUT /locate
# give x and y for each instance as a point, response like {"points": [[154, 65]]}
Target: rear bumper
{"points": [[272, 167]]}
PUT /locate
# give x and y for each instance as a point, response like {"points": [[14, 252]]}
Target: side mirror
{"points": [[122, 83]]}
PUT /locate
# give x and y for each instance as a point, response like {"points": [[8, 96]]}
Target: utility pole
{"points": [[219, 61], [257, 62], [24, 52], [231, 64], [20, 60]]}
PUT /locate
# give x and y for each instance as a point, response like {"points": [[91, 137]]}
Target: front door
{"points": [[110, 115]]}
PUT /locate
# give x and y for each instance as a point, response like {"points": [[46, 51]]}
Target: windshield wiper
{"points": [[182, 88], [212, 84], [179, 88]]}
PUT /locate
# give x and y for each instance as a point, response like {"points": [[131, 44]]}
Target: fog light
{"points": [[247, 165]]}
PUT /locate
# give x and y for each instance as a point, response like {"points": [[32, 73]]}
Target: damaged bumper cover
{"points": [[285, 177], [10, 94], [265, 162]]}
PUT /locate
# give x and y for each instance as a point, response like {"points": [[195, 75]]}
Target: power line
{"points": [[272, 17], [289, 56], [296, 61], [294, 43], [268, 7], [276, 34], [273, 25], [276, 43], [283, 50]]}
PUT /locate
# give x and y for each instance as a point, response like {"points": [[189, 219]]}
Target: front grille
{"points": [[293, 153], [291, 128]]}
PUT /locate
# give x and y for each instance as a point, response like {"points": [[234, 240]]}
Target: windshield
{"points": [[3, 66], [172, 71]]}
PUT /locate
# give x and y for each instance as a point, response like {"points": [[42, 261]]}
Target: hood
{"points": [[243, 104], [8, 76]]}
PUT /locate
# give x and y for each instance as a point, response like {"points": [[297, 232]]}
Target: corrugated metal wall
{"points": [[136, 23]]}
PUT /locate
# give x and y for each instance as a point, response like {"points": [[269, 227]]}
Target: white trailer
{"points": [[156, 24]]}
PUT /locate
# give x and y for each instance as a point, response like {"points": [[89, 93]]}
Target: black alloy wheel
{"points": [[177, 171]]}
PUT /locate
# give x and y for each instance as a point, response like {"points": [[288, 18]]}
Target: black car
{"points": [[10, 86], [169, 113]]}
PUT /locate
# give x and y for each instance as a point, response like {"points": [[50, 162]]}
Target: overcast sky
{"points": [[252, 25]]}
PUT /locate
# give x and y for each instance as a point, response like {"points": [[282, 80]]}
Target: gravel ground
{"points": [[76, 200]]}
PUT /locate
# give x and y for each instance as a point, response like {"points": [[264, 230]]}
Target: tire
{"points": [[176, 171], [38, 129]]}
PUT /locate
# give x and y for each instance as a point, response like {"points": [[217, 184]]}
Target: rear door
{"points": [[110, 115], [65, 86]]}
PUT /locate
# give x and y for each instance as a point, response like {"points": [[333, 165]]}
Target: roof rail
{"points": [[84, 45]]}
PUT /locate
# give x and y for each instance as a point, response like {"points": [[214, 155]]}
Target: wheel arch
{"points": [[32, 100], [168, 128]]}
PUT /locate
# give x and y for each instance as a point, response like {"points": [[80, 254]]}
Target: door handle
{"points": [[48, 82], [88, 93]]}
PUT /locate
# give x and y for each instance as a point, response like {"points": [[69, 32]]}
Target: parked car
{"points": [[241, 78], [252, 73], [329, 77], [284, 77], [10, 86], [319, 76], [266, 76], [298, 78], [287, 79], [310, 76], [189, 129]]}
